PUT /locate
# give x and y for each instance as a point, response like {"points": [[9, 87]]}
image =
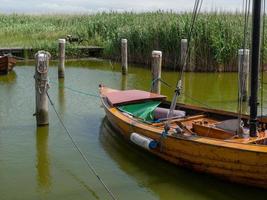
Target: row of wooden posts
{"points": [[42, 81], [156, 65], [42, 64]]}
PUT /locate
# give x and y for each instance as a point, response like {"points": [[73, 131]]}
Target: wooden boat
{"points": [[7, 64], [203, 145], [226, 144]]}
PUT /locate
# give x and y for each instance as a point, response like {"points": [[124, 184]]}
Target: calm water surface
{"points": [[41, 163]]}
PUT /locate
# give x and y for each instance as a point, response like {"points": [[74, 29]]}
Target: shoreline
{"points": [[216, 39]]}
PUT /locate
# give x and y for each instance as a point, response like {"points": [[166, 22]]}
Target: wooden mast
{"points": [[256, 23]]}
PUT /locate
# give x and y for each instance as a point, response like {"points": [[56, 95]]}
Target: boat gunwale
{"points": [[193, 139], [7, 64]]}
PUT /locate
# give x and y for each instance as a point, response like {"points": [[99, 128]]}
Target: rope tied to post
{"points": [[161, 80], [42, 58], [42, 63], [42, 85]]}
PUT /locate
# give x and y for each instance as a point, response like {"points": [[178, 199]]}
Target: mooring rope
{"points": [[160, 80], [75, 90], [185, 94], [90, 166], [197, 101], [41, 78]]}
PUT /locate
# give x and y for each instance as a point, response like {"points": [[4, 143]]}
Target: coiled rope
{"points": [[41, 78]]}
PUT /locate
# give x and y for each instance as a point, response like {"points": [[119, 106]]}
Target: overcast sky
{"points": [[90, 6]]}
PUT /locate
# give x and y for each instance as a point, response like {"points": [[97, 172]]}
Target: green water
{"points": [[41, 163]]}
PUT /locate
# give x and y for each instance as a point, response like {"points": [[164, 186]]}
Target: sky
{"points": [[92, 6]]}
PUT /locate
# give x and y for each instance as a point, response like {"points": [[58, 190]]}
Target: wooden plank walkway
{"points": [[29, 51], [13, 49]]}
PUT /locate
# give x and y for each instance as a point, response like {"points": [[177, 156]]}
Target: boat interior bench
{"points": [[161, 114], [199, 123]]}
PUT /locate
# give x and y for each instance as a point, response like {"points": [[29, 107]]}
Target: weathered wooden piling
{"points": [[243, 73], [156, 71], [183, 52], [61, 52], [124, 59], [41, 87]]}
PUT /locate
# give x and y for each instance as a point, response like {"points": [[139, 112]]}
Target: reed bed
{"points": [[215, 42]]}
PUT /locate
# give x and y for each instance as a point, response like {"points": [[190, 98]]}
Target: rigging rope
{"points": [[185, 94], [262, 54], [241, 81], [90, 166], [177, 92]]}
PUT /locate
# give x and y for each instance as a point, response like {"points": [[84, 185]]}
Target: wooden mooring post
{"points": [[124, 59], [41, 87], [243, 73], [183, 52], [124, 80], [156, 71], [61, 52]]}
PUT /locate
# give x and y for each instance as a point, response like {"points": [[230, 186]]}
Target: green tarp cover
{"points": [[144, 110]]}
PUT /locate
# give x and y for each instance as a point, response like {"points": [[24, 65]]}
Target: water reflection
{"points": [[61, 95], [124, 80], [9, 78], [84, 185], [42, 157], [211, 90], [165, 180]]}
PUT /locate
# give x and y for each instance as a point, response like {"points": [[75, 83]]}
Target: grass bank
{"points": [[216, 38]]}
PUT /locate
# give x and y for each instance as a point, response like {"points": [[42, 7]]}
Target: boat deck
{"points": [[205, 126], [199, 121]]}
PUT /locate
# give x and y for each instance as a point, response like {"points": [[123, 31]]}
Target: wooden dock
{"points": [[28, 52]]}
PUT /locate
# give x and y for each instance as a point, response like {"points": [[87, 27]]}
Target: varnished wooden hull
{"points": [[7, 64], [242, 163]]}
